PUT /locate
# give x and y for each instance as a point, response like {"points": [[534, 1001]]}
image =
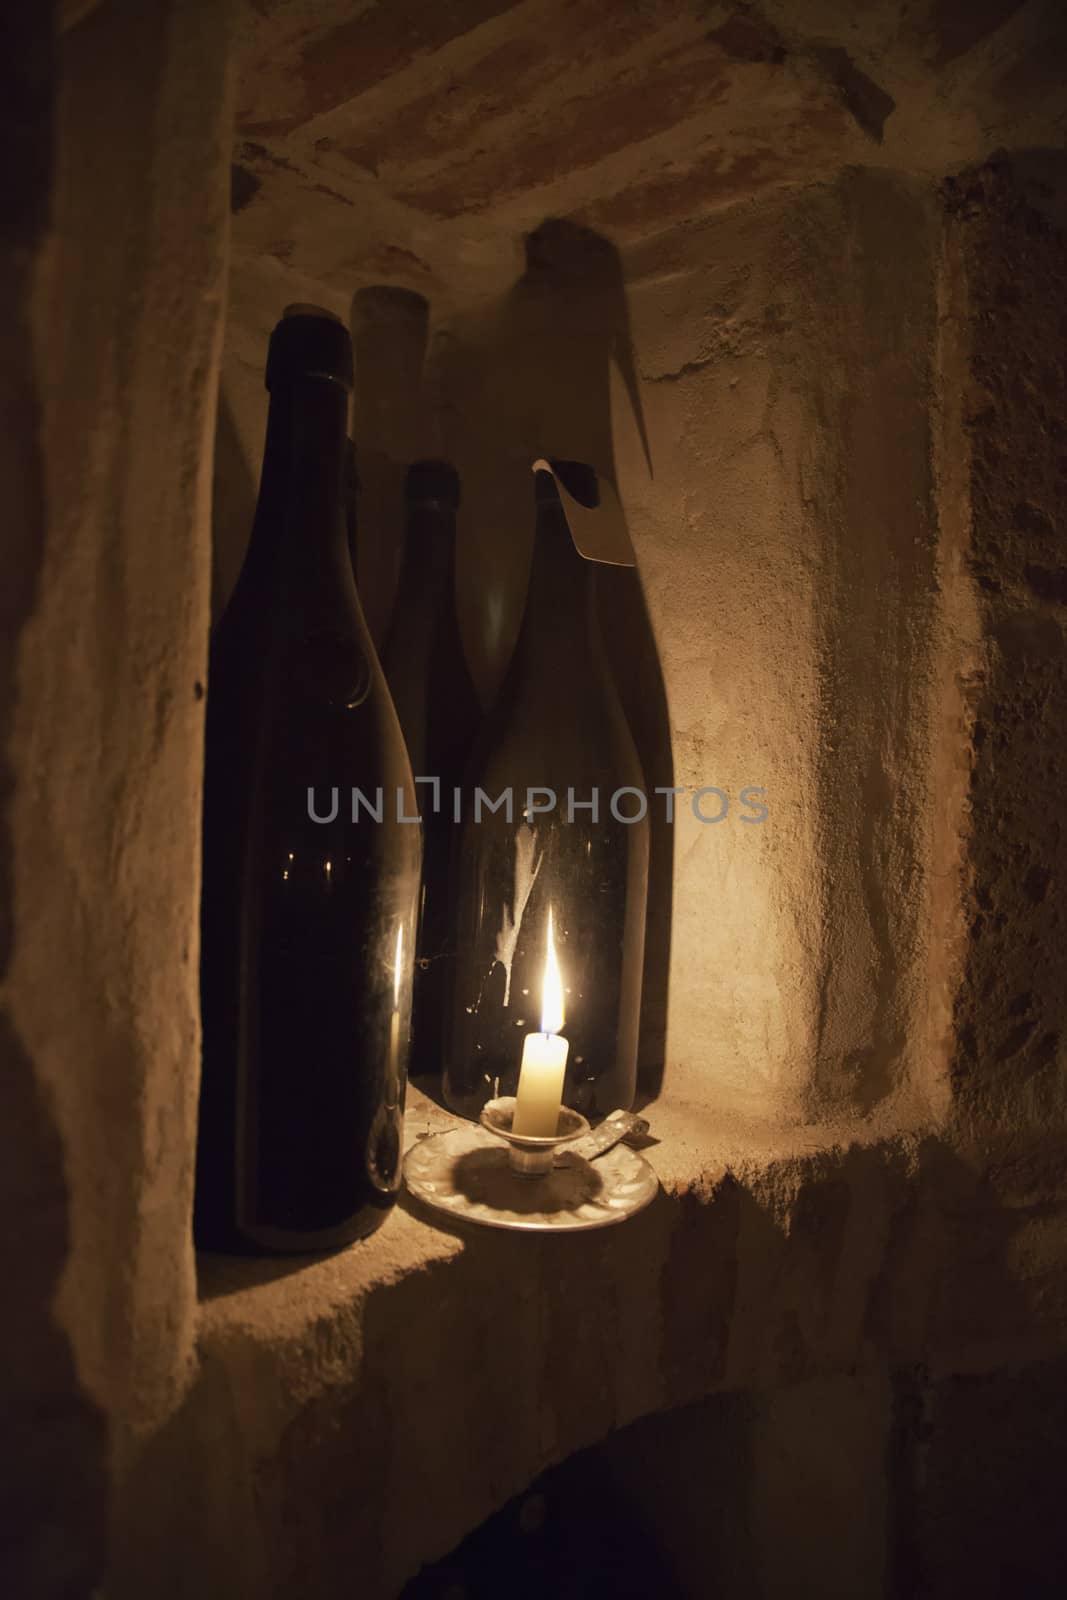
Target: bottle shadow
{"points": [[233, 505], [389, 407]]}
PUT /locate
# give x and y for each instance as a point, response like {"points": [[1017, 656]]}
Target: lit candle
{"points": [[544, 1058]]}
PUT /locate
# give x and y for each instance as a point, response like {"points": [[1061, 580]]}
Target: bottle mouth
{"points": [[301, 308], [309, 342], [578, 479]]}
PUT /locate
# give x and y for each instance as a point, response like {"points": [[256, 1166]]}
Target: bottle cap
{"points": [[309, 342], [432, 483], [301, 308]]}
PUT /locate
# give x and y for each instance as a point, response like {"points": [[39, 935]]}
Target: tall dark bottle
{"points": [[308, 915], [435, 699], [568, 837]]}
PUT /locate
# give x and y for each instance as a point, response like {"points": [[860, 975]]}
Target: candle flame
{"points": [[396, 966], [552, 991]]}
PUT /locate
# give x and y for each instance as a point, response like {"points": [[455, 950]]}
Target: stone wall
{"points": [[1008, 225], [836, 1488], [847, 1237], [115, 272], [788, 540]]}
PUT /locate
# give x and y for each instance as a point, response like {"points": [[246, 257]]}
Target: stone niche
{"points": [[793, 277]]}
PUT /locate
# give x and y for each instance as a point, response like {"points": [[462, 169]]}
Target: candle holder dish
{"points": [[580, 1179], [531, 1153]]}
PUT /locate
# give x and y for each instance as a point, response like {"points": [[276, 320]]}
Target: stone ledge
{"points": [[361, 1413], [693, 1152]]}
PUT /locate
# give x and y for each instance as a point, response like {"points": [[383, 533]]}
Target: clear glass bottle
{"points": [[431, 685], [558, 728]]}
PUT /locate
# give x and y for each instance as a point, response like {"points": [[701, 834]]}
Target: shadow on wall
{"points": [[395, 422], [233, 504]]}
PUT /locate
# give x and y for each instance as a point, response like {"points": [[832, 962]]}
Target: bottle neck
{"points": [[301, 504], [559, 625], [429, 547]]}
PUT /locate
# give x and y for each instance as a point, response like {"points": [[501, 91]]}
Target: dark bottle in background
{"points": [[351, 504], [390, 331], [557, 725], [439, 713], [307, 925]]}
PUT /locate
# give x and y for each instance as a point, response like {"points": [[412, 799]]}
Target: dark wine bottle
{"points": [[435, 699], [558, 761], [351, 500], [308, 914]]}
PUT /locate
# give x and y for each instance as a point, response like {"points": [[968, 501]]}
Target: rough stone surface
{"points": [[993, 1461], [834, 1487], [1012, 1010], [117, 277], [415, 142], [787, 539], [53, 1494], [365, 1412]]}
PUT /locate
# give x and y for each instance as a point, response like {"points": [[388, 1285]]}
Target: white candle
{"points": [[544, 1058]]}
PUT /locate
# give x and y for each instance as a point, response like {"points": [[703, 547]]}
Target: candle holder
{"points": [[531, 1154], [572, 1180]]}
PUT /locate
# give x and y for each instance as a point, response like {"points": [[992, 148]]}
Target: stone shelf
{"points": [[375, 1405], [690, 1153]]}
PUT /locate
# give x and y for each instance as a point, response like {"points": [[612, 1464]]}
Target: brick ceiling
{"points": [[410, 140]]}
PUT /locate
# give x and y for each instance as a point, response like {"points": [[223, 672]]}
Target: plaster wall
{"points": [[788, 542]]}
